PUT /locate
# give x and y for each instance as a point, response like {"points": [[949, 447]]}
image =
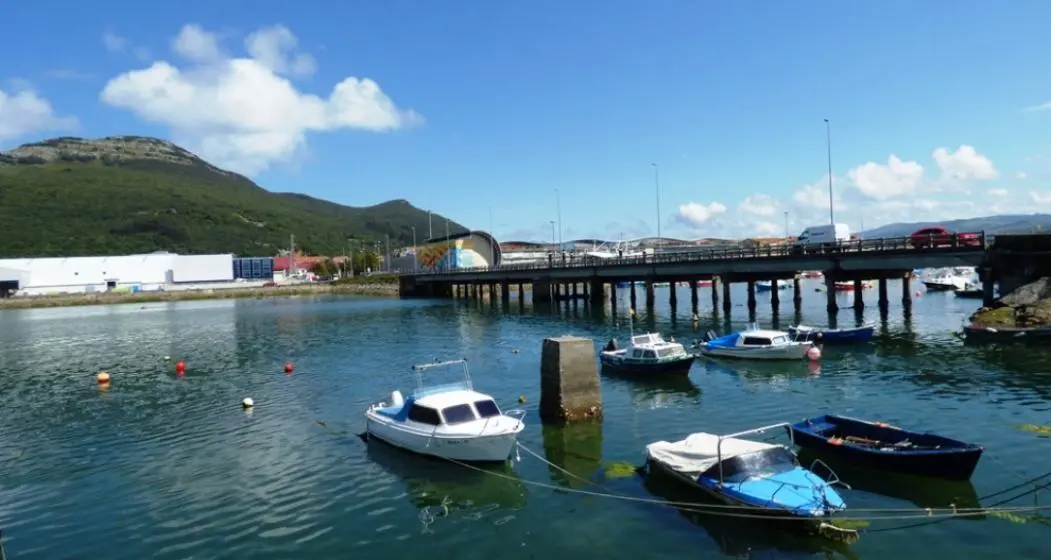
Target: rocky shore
{"points": [[349, 288], [1029, 306]]}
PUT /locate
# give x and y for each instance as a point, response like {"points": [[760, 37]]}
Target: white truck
{"points": [[815, 239]]}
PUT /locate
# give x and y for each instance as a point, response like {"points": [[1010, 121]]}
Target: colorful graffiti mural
{"points": [[450, 255]]}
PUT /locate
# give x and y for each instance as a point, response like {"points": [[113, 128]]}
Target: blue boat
{"points": [[881, 446], [832, 336], [763, 476]]}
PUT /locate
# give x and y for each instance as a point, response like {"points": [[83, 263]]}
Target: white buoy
{"points": [[247, 402], [814, 353]]}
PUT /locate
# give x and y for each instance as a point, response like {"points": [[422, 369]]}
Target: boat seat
{"points": [[391, 411], [822, 427]]}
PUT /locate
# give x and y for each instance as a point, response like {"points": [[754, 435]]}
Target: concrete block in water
{"points": [[569, 382]]}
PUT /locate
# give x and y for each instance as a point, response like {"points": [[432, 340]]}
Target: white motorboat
{"points": [[755, 344], [451, 421], [648, 354], [946, 281]]}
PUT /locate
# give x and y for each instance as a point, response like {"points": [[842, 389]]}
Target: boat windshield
{"points": [[458, 414], [780, 340], [760, 464], [665, 352], [487, 408]]}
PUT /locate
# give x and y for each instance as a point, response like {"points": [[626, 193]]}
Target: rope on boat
{"points": [[713, 509]]}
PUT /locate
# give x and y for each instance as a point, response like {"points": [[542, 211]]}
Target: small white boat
{"points": [[946, 281], [648, 354], [450, 421], [755, 344]]}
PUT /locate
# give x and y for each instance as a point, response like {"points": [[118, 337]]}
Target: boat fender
{"points": [[396, 399]]}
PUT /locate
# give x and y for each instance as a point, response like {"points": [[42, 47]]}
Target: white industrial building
{"points": [[128, 273]]}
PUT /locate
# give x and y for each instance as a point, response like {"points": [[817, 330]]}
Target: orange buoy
{"points": [[102, 377], [289, 368], [180, 367]]}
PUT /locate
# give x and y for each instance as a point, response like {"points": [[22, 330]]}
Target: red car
{"points": [[941, 237]]}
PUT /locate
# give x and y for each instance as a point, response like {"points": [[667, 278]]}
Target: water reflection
{"points": [[575, 447], [742, 538], [923, 492], [655, 392], [434, 483]]}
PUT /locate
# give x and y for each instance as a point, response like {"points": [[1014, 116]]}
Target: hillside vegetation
{"points": [[69, 197]]}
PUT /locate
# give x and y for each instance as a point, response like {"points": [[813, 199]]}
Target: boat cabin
{"points": [[443, 408], [763, 338]]}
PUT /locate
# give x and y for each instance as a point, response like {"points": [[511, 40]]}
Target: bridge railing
{"points": [[569, 261]]}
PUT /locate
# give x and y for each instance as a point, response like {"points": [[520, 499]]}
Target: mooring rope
{"points": [[713, 509]]}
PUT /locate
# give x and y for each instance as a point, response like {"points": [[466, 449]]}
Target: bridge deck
{"points": [[852, 258]]}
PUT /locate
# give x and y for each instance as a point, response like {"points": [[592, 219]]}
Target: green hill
{"points": [[128, 194]]}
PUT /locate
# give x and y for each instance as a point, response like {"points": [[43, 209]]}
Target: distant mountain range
{"points": [[992, 225], [131, 194]]}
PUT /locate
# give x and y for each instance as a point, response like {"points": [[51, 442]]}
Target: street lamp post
{"points": [[657, 187], [430, 230], [448, 248], [415, 261], [786, 224], [552, 235], [492, 240], [828, 145], [558, 210]]}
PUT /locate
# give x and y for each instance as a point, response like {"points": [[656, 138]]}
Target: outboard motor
{"points": [[710, 336], [611, 345], [396, 399]]}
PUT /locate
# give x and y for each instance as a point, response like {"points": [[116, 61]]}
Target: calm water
{"points": [[166, 467]]}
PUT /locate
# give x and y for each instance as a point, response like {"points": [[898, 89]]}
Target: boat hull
{"points": [[833, 336], [786, 352], [969, 294], [939, 286], [951, 460], [495, 448], [677, 366], [711, 491]]}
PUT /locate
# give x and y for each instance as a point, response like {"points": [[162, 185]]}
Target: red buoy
{"points": [[180, 367], [289, 368]]}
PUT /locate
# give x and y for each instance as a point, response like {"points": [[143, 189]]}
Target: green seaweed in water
{"points": [[1039, 430], [619, 469]]}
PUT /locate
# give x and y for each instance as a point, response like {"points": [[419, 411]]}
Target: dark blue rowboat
{"points": [[819, 335], [888, 448]]}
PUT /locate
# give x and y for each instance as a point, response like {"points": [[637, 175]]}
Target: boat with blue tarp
{"points": [[881, 446], [766, 478], [825, 335], [754, 344]]}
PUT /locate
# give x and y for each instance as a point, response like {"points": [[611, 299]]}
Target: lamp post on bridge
{"points": [[657, 187], [828, 143], [415, 260], [558, 210]]}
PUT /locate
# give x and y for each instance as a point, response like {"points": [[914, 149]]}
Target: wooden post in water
{"points": [[569, 382], [632, 295], [797, 294], [715, 292], [775, 297], [693, 297], [830, 295], [883, 302], [726, 295], [906, 293], [859, 295], [751, 296], [649, 294], [673, 297]]}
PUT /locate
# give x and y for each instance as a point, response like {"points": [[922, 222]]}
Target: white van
{"points": [[816, 238]]}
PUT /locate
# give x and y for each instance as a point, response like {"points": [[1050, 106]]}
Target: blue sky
{"points": [[478, 105]]}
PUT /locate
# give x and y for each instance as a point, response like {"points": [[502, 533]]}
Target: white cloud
{"points": [[25, 112], [1039, 197], [964, 164], [1021, 175], [1040, 107], [240, 113], [196, 44], [759, 205], [999, 193], [116, 44], [768, 228], [275, 47], [695, 215], [882, 182]]}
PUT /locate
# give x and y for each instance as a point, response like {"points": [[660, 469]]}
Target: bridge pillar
{"points": [[596, 292], [613, 296], [649, 294], [775, 297], [859, 295], [584, 289], [673, 297], [632, 297], [830, 295], [797, 294], [716, 280], [906, 293], [726, 295], [541, 291], [521, 292], [574, 290], [505, 294], [751, 296], [693, 297], [883, 302]]}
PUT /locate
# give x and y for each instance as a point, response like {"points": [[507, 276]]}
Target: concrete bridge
{"points": [[563, 277]]}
